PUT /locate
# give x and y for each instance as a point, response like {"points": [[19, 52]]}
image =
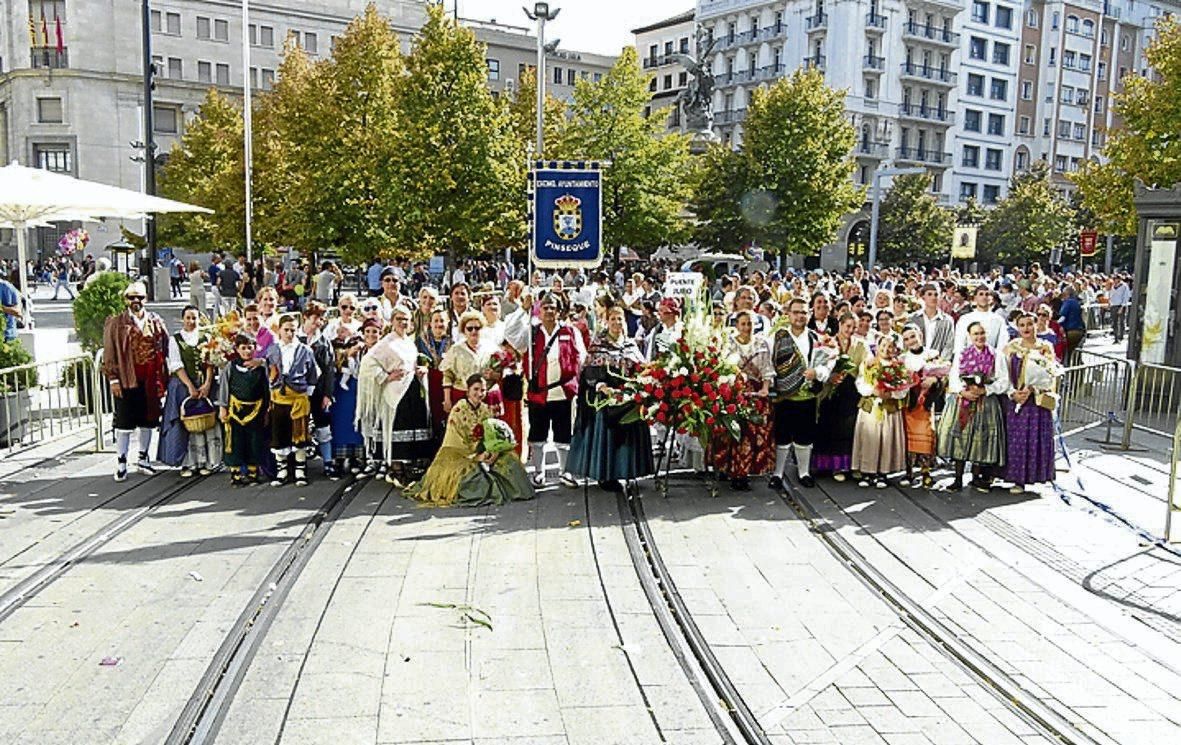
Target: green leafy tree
{"points": [[719, 195], [911, 225], [206, 168], [101, 298], [970, 212], [1028, 222], [523, 114], [458, 163], [797, 144], [350, 145], [647, 185], [1146, 147]]}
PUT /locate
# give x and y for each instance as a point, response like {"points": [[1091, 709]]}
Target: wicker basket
{"points": [[198, 415]]}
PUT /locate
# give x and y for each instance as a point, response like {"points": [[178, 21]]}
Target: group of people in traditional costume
{"points": [[449, 398]]}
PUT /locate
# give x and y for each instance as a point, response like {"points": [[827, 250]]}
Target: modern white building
{"points": [[76, 107], [971, 90], [656, 45]]}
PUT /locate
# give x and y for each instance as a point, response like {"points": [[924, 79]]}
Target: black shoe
{"points": [[611, 486], [776, 482], [736, 484], [807, 480], [744, 484]]}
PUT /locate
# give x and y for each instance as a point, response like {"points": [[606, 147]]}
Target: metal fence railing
{"points": [[1093, 392], [42, 401], [1154, 401], [1172, 505]]}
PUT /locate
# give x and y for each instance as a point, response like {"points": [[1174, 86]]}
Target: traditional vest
{"points": [[190, 357], [538, 371], [790, 365]]}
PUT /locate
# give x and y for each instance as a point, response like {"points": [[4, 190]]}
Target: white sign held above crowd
{"points": [[682, 284]]}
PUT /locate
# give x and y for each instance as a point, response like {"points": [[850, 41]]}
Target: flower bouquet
{"points": [[493, 437], [1041, 373], [73, 241], [218, 349], [891, 379]]}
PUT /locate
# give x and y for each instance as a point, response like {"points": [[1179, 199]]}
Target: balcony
{"points": [[661, 61], [48, 58], [872, 64], [770, 72], [926, 157], [774, 31], [878, 150], [730, 41], [952, 5], [931, 74], [815, 62], [931, 34], [875, 23], [925, 113], [734, 77], [729, 117], [817, 22], [1111, 10]]}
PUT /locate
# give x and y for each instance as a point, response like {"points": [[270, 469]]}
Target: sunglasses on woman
{"points": [[470, 329]]}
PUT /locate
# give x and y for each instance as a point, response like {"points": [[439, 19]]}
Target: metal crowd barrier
{"points": [[1098, 317], [1154, 401], [1092, 392], [43, 401], [1171, 505]]}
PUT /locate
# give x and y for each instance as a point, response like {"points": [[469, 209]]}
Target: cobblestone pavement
{"points": [[528, 623]]}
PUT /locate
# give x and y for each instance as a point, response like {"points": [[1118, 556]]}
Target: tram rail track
{"points": [[206, 709], [1047, 720], [729, 712], [25, 590]]}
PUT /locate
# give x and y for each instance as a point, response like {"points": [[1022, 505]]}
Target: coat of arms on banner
{"points": [[567, 217]]}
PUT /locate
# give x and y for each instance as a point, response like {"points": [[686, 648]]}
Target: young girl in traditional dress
{"points": [[348, 446], [972, 427], [191, 380], [243, 401], [918, 413], [432, 343], [1029, 415], [460, 473], [753, 453], [879, 438]]}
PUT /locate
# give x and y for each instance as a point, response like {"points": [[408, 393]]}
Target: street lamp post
{"points": [[872, 258], [147, 262], [247, 128], [541, 13]]}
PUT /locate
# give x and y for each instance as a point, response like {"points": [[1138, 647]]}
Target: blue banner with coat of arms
{"points": [[567, 214]]}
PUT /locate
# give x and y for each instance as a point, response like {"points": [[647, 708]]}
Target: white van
{"points": [[715, 265]]}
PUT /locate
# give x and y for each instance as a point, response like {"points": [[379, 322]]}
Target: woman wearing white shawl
{"points": [[391, 401]]}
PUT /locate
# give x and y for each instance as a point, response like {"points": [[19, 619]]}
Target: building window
{"points": [[1102, 72], [1064, 130], [1067, 95], [165, 120], [221, 30], [493, 69], [1004, 17], [557, 76], [653, 53], [682, 79], [1098, 104], [1089, 28], [668, 48], [684, 45], [1054, 20], [652, 85], [971, 158], [1046, 127], [1072, 24], [1030, 54], [1026, 90], [1022, 160], [311, 43], [871, 88], [967, 190], [204, 28], [996, 124], [1060, 163], [571, 76], [1084, 62], [204, 72], [992, 159], [979, 11], [598, 76], [1081, 97], [1000, 53], [157, 21], [1096, 138], [172, 24], [176, 68], [1123, 43], [1053, 60], [50, 111], [53, 157], [977, 48], [668, 82], [253, 78], [971, 120], [975, 84], [223, 74], [1080, 132], [268, 79], [1031, 18], [1023, 125], [992, 193], [1068, 59], [999, 90]]}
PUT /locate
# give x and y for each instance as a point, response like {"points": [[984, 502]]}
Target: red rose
{"points": [[638, 397], [731, 408], [710, 420], [648, 388], [658, 373], [694, 378], [660, 417], [659, 393]]}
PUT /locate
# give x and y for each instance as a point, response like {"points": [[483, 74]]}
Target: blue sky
{"points": [[601, 26]]}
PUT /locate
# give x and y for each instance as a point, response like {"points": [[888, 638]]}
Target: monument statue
{"points": [[696, 100]]}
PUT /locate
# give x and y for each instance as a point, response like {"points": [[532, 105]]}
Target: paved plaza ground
{"points": [[161, 610]]}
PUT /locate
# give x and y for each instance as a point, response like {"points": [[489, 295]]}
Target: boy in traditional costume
{"points": [[293, 374], [243, 398]]}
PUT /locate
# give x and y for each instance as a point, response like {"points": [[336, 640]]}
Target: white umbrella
{"points": [[34, 196]]}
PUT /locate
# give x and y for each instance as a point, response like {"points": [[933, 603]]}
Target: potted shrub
{"points": [[101, 298], [15, 396]]}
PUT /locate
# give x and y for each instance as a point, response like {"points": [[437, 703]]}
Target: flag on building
{"points": [[32, 31], [44, 29], [61, 42]]}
